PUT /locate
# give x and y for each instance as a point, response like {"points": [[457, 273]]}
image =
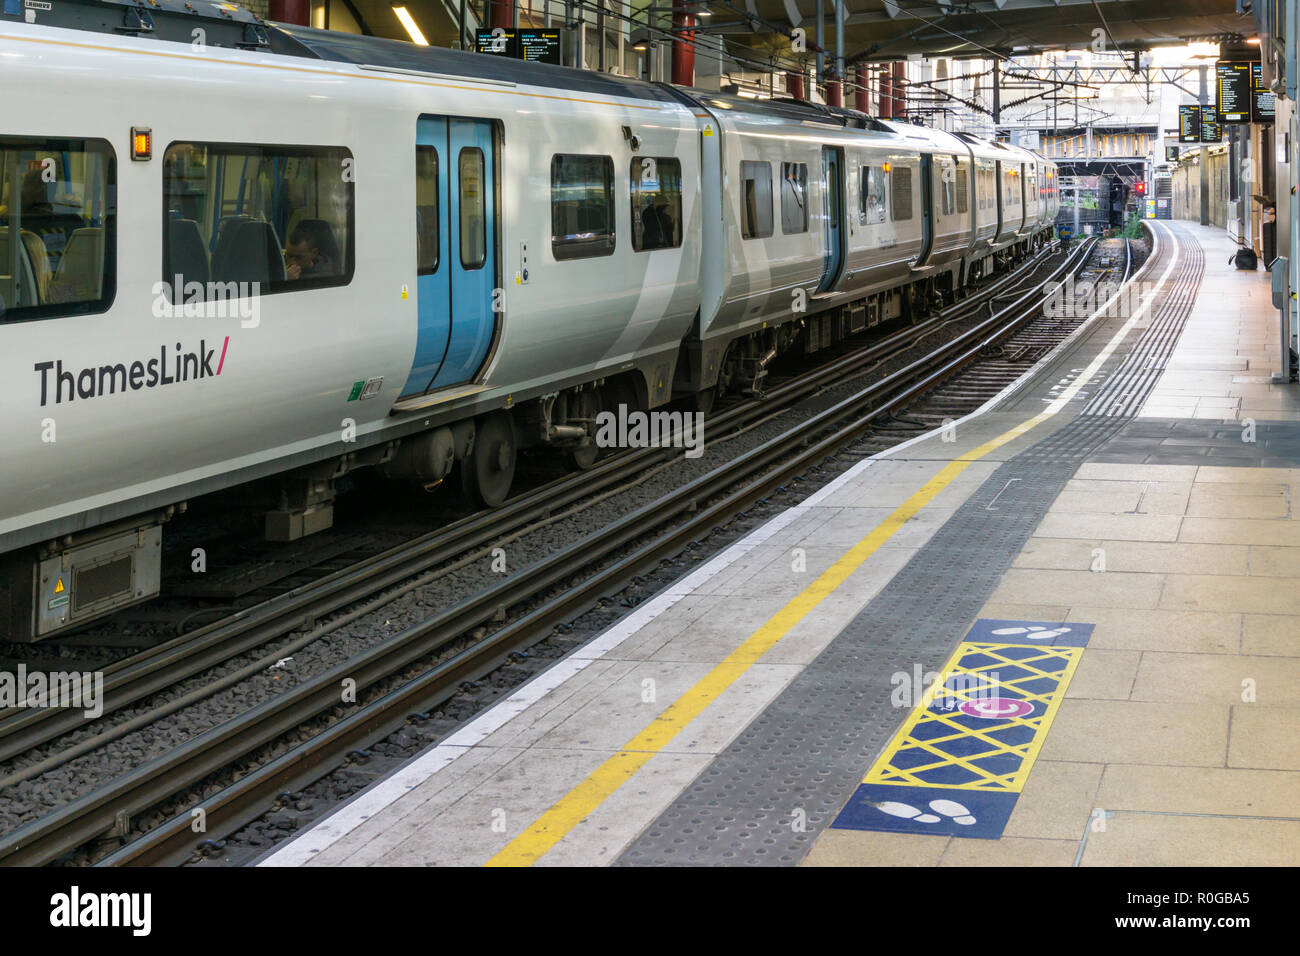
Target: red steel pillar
{"points": [[861, 95], [502, 14], [886, 93], [683, 45], [834, 97], [794, 85], [900, 89], [290, 11]]}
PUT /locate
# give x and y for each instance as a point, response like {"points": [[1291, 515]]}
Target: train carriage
{"points": [[312, 252]]}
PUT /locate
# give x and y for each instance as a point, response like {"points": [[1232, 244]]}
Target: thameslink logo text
{"points": [[59, 385]]}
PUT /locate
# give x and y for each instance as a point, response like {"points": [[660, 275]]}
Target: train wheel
{"points": [[704, 400], [490, 468], [584, 457]]}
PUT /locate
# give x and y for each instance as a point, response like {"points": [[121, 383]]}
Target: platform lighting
{"points": [[409, 23], [1253, 41]]}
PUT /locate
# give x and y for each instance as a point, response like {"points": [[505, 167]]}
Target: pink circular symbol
{"points": [[996, 708]]}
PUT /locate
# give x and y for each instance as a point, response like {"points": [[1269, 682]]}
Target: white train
{"points": [[286, 252]]}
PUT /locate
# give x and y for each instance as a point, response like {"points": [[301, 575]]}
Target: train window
{"points": [[963, 191], [427, 233], [794, 198], [473, 209], [656, 203], [582, 206], [946, 201], [900, 193], [58, 221], [755, 200], [871, 195], [242, 220]]}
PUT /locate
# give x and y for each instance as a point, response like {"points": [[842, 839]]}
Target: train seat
{"points": [[39, 259], [27, 284], [254, 255], [186, 255], [81, 269], [221, 251]]}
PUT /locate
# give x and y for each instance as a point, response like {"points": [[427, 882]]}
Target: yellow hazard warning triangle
{"points": [[58, 588]]}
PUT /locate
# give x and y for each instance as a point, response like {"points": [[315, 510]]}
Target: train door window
{"points": [[871, 195], [582, 206], [473, 209], [656, 203], [944, 170], [242, 220], [58, 221], [755, 200], [426, 209], [963, 191], [794, 198], [900, 193]]}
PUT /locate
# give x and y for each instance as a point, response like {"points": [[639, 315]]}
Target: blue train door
{"points": [[833, 191], [456, 232]]}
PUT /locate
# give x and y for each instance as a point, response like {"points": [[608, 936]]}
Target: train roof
{"points": [[400, 55], [231, 26]]}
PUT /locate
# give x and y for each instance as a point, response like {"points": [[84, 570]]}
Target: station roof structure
{"points": [[882, 30]]}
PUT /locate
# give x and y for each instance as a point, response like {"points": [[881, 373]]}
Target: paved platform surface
{"points": [[732, 719]]}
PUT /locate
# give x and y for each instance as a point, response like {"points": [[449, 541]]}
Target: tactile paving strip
{"points": [[764, 800], [1181, 441]]}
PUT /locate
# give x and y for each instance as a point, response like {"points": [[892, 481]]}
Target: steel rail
{"points": [[764, 467], [156, 669]]}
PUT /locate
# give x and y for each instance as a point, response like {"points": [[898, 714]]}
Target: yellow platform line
{"points": [[575, 806]]}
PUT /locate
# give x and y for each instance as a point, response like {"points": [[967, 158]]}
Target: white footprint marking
{"points": [[948, 808], [906, 811], [1034, 632]]}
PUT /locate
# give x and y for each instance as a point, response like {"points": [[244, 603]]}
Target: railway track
{"points": [[238, 633], [621, 552]]}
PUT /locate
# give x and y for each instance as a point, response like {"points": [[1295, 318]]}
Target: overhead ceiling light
{"points": [[409, 22], [1253, 41]]}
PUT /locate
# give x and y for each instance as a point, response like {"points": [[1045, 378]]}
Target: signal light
{"points": [[141, 143], [1140, 189]]}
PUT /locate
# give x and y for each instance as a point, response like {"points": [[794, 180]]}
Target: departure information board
{"points": [[1232, 86], [498, 42], [1263, 101], [1171, 153], [1211, 131], [1189, 124], [540, 46]]}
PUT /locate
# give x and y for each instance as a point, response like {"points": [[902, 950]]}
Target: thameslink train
{"points": [[294, 253]]}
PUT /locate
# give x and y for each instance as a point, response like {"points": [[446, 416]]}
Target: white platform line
{"points": [[420, 768]]}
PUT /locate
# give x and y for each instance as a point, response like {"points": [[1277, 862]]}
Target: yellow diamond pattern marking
{"points": [[974, 672]]}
